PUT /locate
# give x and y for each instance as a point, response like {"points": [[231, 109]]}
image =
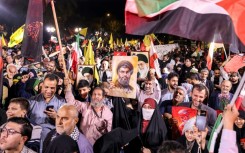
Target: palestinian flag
{"points": [[210, 21]]}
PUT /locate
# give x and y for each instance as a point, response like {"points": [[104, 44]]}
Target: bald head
{"points": [[225, 86], [66, 119], [71, 109]]}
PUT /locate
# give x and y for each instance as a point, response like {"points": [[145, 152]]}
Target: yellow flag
{"points": [[3, 41], [126, 43], [147, 40], [96, 75], [99, 42], [89, 56], [84, 31], [121, 42], [118, 44], [16, 37], [89, 60], [111, 41]]}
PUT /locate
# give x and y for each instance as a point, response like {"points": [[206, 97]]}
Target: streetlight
{"points": [[77, 29], [108, 14], [50, 29]]}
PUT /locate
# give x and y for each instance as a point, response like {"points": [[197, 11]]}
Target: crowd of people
{"points": [[46, 110]]}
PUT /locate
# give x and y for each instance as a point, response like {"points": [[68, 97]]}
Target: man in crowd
{"points": [[167, 94], [234, 78], [83, 91], [166, 110], [43, 106], [143, 66], [65, 123], [51, 67], [204, 75], [199, 94], [151, 90], [215, 101], [96, 117], [13, 136], [18, 107], [217, 79]]}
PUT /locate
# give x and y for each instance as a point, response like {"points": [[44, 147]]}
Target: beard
{"points": [[124, 81], [143, 72], [97, 103]]}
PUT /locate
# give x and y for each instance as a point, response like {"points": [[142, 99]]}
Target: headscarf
{"points": [[152, 103], [113, 141], [189, 125], [62, 144], [155, 131]]}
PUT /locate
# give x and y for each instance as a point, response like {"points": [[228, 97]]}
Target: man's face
{"points": [[12, 139], [216, 73], [49, 88], [11, 72], [142, 65], [124, 75], [83, 92], [65, 121], [105, 65], [97, 98], [9, 59], [179, 96], [89, 77], [173, 82], [198, 97], [234, 78], [148, 86], [51, 67], [225, 87], [24, 78], [14, 110], [187, 63], [204, 75]]}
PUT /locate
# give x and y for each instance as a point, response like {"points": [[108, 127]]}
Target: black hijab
{"points": [[113, 141], [156, 131], [62, 144]]}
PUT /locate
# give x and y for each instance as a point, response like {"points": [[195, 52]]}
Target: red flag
{"points": [[120, 53], [154, 60], [182, 114], [210, 56], [237, 62]]}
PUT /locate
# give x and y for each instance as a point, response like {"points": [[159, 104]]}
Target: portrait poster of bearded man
{"points": [[124, 76], [143, 63], [85, 72]]}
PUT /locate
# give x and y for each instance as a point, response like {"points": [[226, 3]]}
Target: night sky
{"points": [[71, 13]]}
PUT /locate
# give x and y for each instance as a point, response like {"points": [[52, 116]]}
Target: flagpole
{"points": [[240, 87], [59, 40]]}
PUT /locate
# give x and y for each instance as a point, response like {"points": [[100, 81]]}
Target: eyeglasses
{"points": [[8, 132]]}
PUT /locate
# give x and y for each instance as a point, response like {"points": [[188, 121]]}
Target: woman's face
{"points": [[239, 122], [189, 134]]}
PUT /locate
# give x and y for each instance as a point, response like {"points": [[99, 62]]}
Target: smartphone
{"points": [[49, 107], [201, 120]]}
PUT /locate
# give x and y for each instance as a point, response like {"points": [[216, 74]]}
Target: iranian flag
{"points": [[154, 60], [192, 19]]}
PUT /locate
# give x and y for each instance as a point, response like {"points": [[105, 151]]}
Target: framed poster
{"points": [[124, 76], [143, 63], [85, 72]]}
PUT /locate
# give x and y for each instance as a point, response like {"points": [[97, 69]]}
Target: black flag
{"points": [[33, 35]]}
